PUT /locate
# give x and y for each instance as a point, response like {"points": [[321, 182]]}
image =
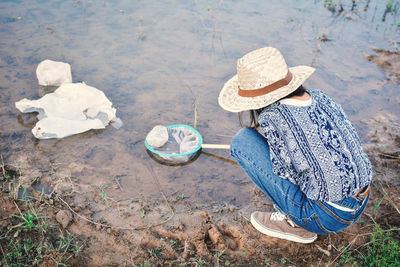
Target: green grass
{"points": [[381, 250], [32, 220], [27, 251], [29, 240], [391, 5]]}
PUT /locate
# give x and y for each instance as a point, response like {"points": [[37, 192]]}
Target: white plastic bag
{"points": [[53, 73], [73, 108]]}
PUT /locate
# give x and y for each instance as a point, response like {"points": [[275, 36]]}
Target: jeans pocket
{"points": [[350, 204], [329, 212], [323, 230], [312, 224]]}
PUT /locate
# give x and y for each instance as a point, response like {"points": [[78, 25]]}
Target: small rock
{"points": [[76, 168], [323, 38], [109, 231], [64, 217], [63, 187], [98, 227], [231, 244], [204, 214]]}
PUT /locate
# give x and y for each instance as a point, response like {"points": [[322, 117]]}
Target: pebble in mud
{"points": [[64, 217], [231, 244]]}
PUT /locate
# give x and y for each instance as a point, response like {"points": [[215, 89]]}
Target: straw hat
{"points": [[262, 78]]}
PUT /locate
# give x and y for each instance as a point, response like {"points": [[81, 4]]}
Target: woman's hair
{"points": [[254, 113]]}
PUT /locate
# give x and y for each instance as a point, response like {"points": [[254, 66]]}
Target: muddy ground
{"points": [[173, 231]]}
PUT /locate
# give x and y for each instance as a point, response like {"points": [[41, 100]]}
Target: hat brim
{"points": [[230, 100]]}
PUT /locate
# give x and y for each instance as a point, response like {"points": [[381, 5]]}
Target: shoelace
{"points": [[277, 216]]}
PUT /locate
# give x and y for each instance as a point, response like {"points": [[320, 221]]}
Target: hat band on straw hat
{"points": [[267, 89]]}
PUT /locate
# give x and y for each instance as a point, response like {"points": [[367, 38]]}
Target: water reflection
{"points": [[154, 60]]}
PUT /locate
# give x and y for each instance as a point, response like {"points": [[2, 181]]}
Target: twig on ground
{"points": [[118, 183], [83, 217], [196, 115], [326, 252], [389, 199], [348, 233], [320, 260], [222, 45], [18, 209], [2, 166], [244, 217], [370, 242], [162, 193], [2, 251], [390, 156], [349, 245], [143, 227], [387, 230]]}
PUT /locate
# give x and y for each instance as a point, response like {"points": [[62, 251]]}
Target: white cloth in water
{"points": [[53, 73], [73, 108]]}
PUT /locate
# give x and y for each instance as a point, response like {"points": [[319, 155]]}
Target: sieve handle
{"points": [[217, 146]]}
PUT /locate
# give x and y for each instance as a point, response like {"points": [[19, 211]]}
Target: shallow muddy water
{"points": [[156, 59]]}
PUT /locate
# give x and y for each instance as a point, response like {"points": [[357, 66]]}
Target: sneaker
{"points": [[276, 224]]}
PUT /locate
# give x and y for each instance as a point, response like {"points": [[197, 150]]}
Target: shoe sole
{"points": [[278, 234]]}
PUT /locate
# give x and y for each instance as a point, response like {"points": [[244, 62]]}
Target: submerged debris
{"points": [[73, 108], [388, 61]]}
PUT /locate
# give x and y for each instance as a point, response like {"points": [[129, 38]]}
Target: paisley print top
{"points": [[316, 147]]}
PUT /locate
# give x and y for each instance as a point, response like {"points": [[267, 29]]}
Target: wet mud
{"points": [[388, 61]]}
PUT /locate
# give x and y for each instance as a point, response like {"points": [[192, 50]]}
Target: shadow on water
{"points": [[147, 56]]}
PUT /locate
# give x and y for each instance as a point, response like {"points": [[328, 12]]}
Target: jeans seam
{"points": [[294, 203], [298, 219], [318, 222], [333, 215]]}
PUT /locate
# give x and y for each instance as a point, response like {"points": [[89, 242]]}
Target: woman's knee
{"points": [[248, 141], [242, 138]]}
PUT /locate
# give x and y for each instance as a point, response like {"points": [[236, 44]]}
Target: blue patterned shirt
{"points": [[316, 147]]}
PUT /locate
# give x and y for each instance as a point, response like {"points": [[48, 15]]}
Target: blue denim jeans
{"points": [[250, 149]]}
